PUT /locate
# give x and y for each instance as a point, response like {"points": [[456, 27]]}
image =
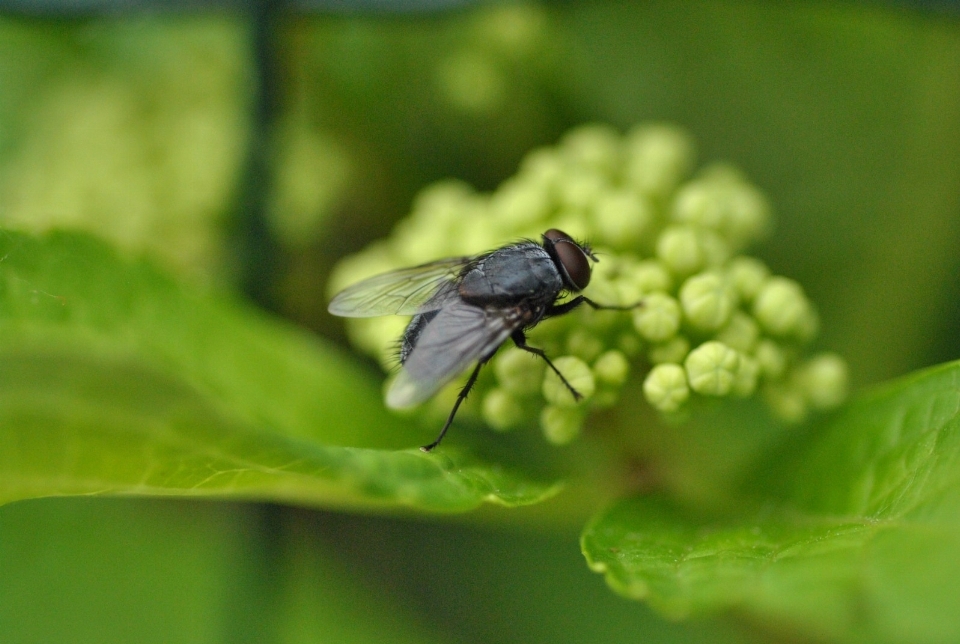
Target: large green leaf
{"points": [[856, 536], [116, 380]]}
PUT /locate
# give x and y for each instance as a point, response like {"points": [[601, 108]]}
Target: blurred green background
{"points": [[248, 148]]}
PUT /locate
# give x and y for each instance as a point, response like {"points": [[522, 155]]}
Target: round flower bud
{"points": [[659, 317], [748, 275], [583, 344], [501, 410], [518, 203], [612, 368], [595, 146], [825, 380], [716, 250], [518, 371], [580, 190], [665, 387], [771, 358], [560, 425], [622, 218], [748, 214], [577, 373], [707, 301], [696, 203], [658, 157], [542, 167], [741, 332], [712, 368], [673, 350], [781, 307], [650, 276], [678, 247], [745, 382]]}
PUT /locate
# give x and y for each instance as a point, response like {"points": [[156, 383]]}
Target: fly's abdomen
{"points": [[412, 333]]}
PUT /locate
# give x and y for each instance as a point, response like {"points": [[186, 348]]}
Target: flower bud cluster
{"points": [[712, 322]]}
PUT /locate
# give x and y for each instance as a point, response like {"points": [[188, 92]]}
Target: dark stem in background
{"points": [[257, 253]]}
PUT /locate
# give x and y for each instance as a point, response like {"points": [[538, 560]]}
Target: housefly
{"points": [[464, 308]]}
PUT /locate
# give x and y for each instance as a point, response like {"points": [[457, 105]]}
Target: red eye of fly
{"points": [[572, 259]]}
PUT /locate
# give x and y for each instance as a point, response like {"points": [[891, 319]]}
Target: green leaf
{"points": [[855, 536], [116, 380]]}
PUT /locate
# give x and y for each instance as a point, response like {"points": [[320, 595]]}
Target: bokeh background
{"points": [[247, 147]]}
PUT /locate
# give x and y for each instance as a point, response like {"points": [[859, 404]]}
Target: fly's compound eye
{"points": [[571, 257]]}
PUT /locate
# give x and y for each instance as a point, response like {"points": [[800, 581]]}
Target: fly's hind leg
{"points": [[460, 398], [520, 339]]}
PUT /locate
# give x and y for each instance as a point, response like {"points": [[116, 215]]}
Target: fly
{"points": [[465, 308]]}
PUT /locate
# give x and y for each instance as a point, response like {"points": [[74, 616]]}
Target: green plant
{"points": [[152, 379]]}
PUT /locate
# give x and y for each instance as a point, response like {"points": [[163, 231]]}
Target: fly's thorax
{"points": [[522, 273]]}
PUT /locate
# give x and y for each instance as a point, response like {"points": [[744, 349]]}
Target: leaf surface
{"points": [[856, 535], [115, 380]]}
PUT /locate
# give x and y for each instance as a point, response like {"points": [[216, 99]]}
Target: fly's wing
{"points": [[458, 335], [407, 291]]}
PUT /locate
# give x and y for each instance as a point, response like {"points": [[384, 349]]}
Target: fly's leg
{"points": [[566, 307], [453, 412], [520, 340]]}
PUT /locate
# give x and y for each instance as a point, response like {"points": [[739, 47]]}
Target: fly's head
{"points": [[570, 257]]}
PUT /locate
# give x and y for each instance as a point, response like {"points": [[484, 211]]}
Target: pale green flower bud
{"points": [[542, 167], [741, 333], [748, 275], [650, 276], [612, 368], [560, 425], [517, 203], [697, 203], [707, 301], [745, 382], [621, 218], [577, 373], [748, 214], [825, 380], [659, 317], [723, 201], [678, 247], [673, 350], [771, 358], [442, 197], [580, 190], [716, 250], [665, 387], [501, 410], [584, 344], [658, 158], [595, 146], [712, 368], [519, 372], [419, 240], [781, 307]]}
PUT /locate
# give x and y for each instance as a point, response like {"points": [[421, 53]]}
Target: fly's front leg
{"points": [[559, 309], [520, 339]]}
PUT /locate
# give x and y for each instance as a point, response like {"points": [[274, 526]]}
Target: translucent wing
{"points": [[458, 335], [401, 292]]}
